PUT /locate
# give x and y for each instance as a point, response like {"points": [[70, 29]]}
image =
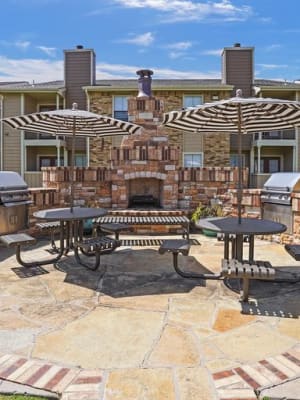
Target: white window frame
{"points": [[194, 103], [124, 105], [198, 153]]}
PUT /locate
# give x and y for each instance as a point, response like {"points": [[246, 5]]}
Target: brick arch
{"points": [[145, 174]]}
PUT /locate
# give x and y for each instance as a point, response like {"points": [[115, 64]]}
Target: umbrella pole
{"points": [[72, 165], [240, 169]]}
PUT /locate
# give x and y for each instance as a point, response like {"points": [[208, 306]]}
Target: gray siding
{"points": [[11, 137], [192, 142], [237, 66], [79, 71]]}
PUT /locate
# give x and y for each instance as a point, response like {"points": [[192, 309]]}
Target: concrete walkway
{"points": [[141, 332]]}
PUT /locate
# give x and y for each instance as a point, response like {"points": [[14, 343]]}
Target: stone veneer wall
{"points": [[103, 187], [296, 214], [216, 146]]}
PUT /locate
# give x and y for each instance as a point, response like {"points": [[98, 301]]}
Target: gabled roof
{"points": [[277, 83], [23, 85], [132, 84]]}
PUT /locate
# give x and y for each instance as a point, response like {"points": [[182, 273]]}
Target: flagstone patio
{"points": [[143, 332]]}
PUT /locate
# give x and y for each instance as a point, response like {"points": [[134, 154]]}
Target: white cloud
{"points": [[120, 71], [216, 52], [273, 47], [22, 44], [176, 54], [47, 70], [30, 69], [50, 51], [145, 39], [189, 10], [178, 49], [179, 45], [272, 66]]}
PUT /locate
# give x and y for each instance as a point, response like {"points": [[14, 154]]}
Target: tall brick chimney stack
{"points": [[238, 68]]}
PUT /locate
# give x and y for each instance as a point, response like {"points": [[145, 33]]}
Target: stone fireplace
{"points": [[145, 170], [145, 166]]}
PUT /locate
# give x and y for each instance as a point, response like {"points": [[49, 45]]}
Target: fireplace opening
{"points": [[144, 193]]}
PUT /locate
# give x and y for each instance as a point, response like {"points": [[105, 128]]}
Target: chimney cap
{"points": [[144, 72]]}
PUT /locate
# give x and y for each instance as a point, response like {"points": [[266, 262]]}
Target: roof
{"points": [[156, 84], [277, 83], [23, 85]]}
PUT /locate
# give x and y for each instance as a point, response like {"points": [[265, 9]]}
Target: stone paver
{"points": [[143, 332]]}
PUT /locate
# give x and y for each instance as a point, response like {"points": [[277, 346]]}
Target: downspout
{"points": [[1, 134], [61, 94], [22, 155], [57, 139], [88, 105], [297, 131]]}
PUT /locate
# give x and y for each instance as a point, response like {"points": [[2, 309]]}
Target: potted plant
{"points": [[206, 211]]}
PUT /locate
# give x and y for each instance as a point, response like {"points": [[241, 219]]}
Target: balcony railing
{"points": [[276, 135]]}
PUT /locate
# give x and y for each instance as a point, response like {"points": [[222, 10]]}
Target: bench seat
{"points": [[17, 239], [100, 243], [234, 269], [115, 228], [146, 220], [95, 246], [293, 250]]}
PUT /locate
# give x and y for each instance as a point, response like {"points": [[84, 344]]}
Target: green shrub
{"points": [[204, 211]]}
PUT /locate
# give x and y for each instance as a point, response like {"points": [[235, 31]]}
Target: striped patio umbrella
{"points": [[237, 115], [74, 123]]}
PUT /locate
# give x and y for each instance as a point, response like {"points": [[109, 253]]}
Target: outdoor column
{"points": [[258, 159], [58, 153]]}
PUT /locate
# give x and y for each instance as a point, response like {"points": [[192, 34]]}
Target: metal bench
{"points": [[234, 269], [95, 246], [147, 220], [18, 240], [51, 227], [177, 246], [293, 250], [115, 228]]}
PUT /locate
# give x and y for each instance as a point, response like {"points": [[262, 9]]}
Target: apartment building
{"points": [[263, 152]]}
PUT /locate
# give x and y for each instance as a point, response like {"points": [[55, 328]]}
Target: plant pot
{"points": [[208, 232]]}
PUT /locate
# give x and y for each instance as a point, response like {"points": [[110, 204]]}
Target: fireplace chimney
{"points": [[238, 69], [144, 82]]}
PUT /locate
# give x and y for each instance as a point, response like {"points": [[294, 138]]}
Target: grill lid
{"points": [[10, 180], [287, 182]]}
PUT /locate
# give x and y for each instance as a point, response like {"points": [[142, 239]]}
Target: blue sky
{"points": [[174, 38]]}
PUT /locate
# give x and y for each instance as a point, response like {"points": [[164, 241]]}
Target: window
{"points": [[268, 165], [80, 160], [49, 161], [46, 107], [121, 107], [234, 160], [192, 101], [193, 160]]}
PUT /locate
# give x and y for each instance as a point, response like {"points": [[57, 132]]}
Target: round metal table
{"points": [[71, 223], [249, 226]]}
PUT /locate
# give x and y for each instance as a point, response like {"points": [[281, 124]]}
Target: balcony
{"points": [[275, 138]]}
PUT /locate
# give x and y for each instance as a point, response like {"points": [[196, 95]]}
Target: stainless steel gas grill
{"points": [[276, 197], [14, 202]]}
